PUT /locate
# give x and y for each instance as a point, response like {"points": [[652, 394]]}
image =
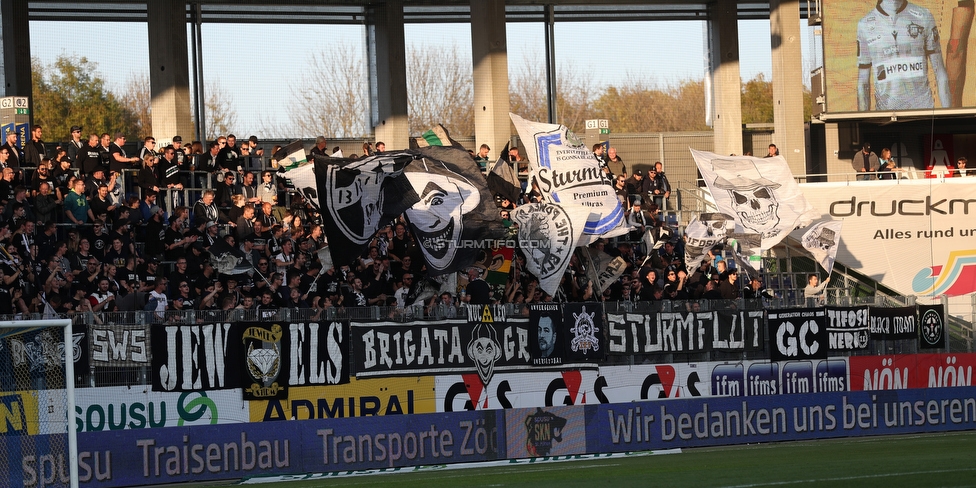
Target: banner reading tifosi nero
{"points": [[894, 323], [798, 334], [448, 346], [848, 328], [683, 332]]}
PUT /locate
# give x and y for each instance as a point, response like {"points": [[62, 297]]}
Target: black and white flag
{"points": [[760, 194], [454, 214], [822, 240], [441, 190], [701, 235], [548, 233], [354, 198]]}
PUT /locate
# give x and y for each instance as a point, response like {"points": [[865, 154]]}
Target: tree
{"points": [[757, 101], [574, 93], [137, 98], [439, 90], [69, 92], [637, 107], [220, 114], [330, 97]]}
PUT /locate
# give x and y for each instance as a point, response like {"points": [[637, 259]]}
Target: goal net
{"points": [[38, 444]]}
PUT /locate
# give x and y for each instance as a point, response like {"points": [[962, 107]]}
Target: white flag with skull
{"points": [[760, 194], [822, 240]]}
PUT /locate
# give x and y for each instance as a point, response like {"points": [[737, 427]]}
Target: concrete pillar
{"points": [[489, 50], [726, 80], [169, 71], [838, 168], [784, 29], [387, 73], [16, 54]]}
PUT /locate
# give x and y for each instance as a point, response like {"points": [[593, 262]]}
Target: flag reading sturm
{"points": [[567, 173], [822, 240], [759, 193]]}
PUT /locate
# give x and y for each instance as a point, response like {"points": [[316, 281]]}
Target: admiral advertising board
{"points": [[360, 398], [895, 55]]}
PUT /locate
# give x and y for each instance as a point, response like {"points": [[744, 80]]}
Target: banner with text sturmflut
{"points": [[684, 332]]}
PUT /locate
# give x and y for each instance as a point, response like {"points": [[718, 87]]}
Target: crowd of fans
{"points": [[90, 226]]}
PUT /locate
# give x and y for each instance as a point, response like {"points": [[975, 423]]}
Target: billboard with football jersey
{"points": [[898, 55]]}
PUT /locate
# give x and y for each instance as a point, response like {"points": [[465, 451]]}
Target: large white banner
{"points": [[915, 236]]}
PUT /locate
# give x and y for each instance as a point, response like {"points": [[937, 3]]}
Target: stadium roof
{"points": [[415, 11]]}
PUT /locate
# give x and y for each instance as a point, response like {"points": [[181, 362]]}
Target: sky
{"points": [[252, 62]]}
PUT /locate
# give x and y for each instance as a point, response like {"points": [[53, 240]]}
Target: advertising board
{"points": [[921, 225], [895, 55]]}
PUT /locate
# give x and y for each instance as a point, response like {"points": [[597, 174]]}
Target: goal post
{"points": [[38, 439]]}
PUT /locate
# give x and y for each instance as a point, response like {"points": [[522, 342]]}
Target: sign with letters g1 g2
{"points": [[797, 334]]}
